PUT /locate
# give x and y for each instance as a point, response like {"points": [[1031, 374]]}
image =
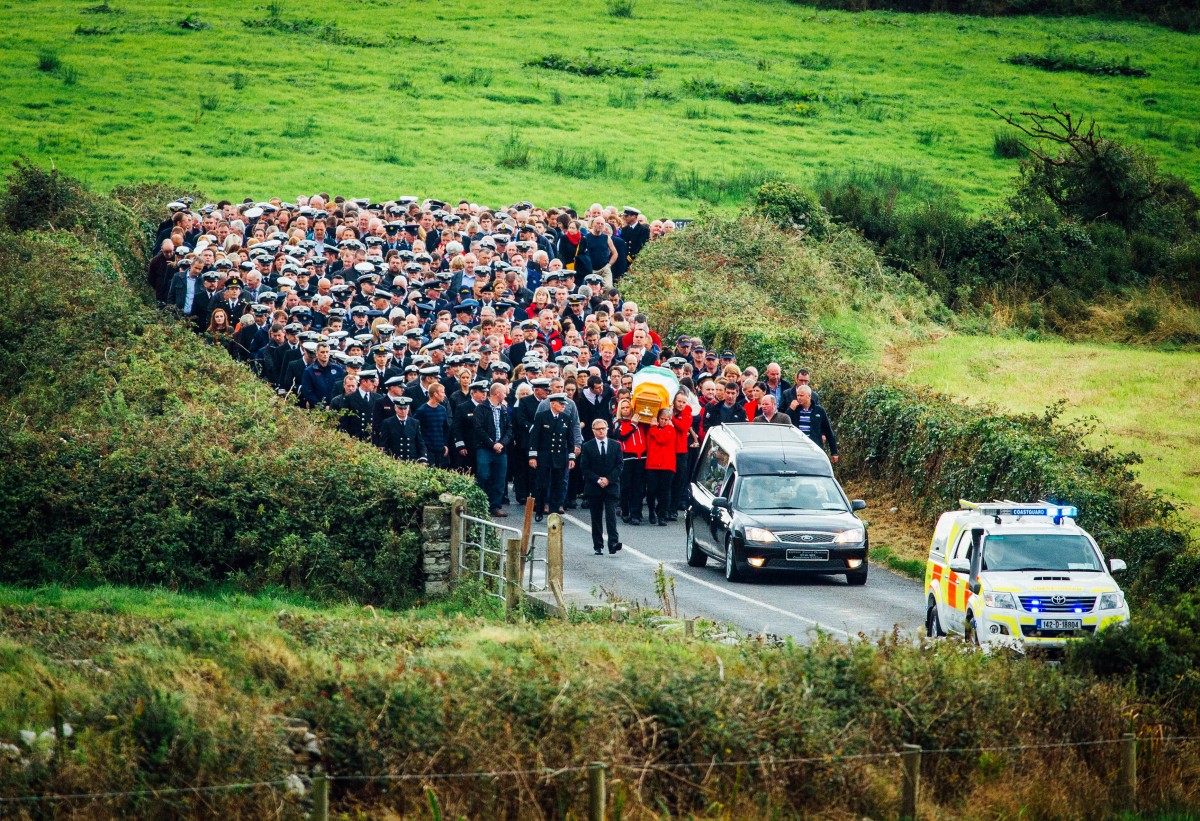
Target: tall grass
{"points": [[580, 163], [620, 8], [515, 151]]}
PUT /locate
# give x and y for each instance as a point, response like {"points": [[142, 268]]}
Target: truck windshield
{"points": [[818, 493], [1040, 551]]}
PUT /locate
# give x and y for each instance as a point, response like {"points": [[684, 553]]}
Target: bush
{"points": [[1084, 63], [747, 92], [789, 206], [1006, 145], [146, 457]]}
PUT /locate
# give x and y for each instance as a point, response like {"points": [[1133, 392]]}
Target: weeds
{"points": [[515, 151], [625, 97], [402, 83], [594, 66], [664, 588], [929, 136], [209, 102], [92, 31], [747, 92], [474, 76], [48, 61], [193, 23], [763, 64], [814, 61], [620, 8], [696, 111], [556, 97], [391, 153], [1006, 145], [238, 80], [580, 163], [1089, 63], [103, 8]]}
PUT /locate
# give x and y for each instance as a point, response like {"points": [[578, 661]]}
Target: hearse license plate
{"points": [[806, 555], [1059, 624]]}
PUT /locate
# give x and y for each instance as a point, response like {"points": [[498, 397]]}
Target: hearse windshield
{"points": [[806, 493]]}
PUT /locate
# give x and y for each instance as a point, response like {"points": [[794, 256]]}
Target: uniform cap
{"points": [[558, 397]]}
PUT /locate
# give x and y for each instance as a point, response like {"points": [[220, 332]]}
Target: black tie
{"points": [[602, 450]]}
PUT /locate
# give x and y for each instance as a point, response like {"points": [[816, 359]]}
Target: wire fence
{"points": [[554, 772]]}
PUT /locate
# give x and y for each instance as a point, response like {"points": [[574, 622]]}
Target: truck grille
{"points": [[805, 538], [1065, 604]]}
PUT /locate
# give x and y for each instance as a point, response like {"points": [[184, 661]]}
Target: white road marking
{"points": [[637, 554]]}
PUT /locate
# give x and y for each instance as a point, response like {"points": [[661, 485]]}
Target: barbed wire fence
{"points": [[1125, 785]]}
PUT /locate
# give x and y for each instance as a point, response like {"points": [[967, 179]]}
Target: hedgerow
{"points": [[135, 454]]}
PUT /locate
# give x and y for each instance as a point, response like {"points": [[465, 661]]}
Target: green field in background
{"points": [[378, 99], [1145, 401]]}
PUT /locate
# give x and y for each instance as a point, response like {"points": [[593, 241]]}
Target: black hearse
{"points": [[763, 498]]}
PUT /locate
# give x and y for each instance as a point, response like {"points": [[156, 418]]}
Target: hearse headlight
{"points": [[760, 534], [852, 536]]}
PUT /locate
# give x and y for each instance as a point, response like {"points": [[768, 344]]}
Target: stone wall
{"points": [[435, 547]]}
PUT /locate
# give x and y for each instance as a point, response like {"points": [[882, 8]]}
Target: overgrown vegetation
{"points": [[1089, 63], [747, 91], [195, 691], [1183, 15], [594, 66], [135, 454], [919, 443], [1090, 219]]}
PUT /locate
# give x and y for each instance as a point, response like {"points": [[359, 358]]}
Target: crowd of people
{"points": [[490, 341]]}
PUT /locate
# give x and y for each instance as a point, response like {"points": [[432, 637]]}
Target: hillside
{"points": [[1142, 400], [374, 100]]}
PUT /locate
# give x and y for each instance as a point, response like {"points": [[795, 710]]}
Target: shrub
{"points": [[514, 151], [620, 8], [789, 206], [746, 92], [48, 61], [158, 459]]}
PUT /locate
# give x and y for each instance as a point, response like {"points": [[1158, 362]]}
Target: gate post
{"points": [[554, 550], [512, 574], [457, 506]]}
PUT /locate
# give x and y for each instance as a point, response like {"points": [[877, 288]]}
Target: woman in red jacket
{"points": [[660, 468], [681, 420], [632, 437]]}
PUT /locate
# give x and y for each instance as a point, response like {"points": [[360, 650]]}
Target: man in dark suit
{"points": [[635, 233], [231, 301], [600, 465], [493, 436], [551, 455]]}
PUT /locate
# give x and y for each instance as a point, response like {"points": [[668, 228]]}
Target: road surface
{"points": [[780, 605]]}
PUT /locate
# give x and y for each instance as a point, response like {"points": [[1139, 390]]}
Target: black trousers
{"points": [[679, 487], [658, 492], [603, 508], [518, 466], [632, 471]]}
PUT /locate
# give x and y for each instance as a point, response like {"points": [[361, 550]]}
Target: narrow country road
{"points": [[780, 605]]}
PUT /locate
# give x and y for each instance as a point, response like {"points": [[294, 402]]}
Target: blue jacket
{"points": [[316, 386]]}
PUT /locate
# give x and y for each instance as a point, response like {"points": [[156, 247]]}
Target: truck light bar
{"points": [[1005, 507]]}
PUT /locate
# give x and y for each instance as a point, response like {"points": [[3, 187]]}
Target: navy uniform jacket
{"points": [[292, 374], [636, 236], [358, 423], [462, 428], [593, 467], [550, 440], [522, 419], [401, 439]]}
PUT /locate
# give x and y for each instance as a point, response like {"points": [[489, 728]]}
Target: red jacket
{"points": [[683, 426], [632, 437], [660, 448]]}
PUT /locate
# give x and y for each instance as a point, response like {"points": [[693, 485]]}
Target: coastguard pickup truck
{"points": [[1019, 575]]}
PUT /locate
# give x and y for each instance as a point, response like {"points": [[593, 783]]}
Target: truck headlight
{"points": [[760, 534], [849, 536], [1112, 601], [1000, 601]]}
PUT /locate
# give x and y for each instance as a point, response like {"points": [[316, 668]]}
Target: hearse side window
{"points": [[714, 465]]}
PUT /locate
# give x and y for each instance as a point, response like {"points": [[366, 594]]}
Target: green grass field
{"points": [[1145, 401], [375, 99]]}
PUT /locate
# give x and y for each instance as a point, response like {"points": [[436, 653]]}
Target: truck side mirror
{"points": [[1116, 566], [960, 566], [857, 504]]}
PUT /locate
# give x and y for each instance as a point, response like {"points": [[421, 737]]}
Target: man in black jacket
{"points": [[362, 404], [400, 436], [522, 418], [600, 465], [812, 420], [493, 436], [731, 410], [635, 233]]}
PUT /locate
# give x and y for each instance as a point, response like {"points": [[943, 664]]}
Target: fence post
{"points": [[689, 628], [512, 573], [320, 805], [597, 800], [912, 780], [1127, 776], [456, 511], [554, 550]]}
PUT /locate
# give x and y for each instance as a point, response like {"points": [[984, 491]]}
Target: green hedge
{"points": [[919, 443], [138, 455]]}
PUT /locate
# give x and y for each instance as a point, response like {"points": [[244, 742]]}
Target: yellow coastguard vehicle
{"points": [[1019, 575]]}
